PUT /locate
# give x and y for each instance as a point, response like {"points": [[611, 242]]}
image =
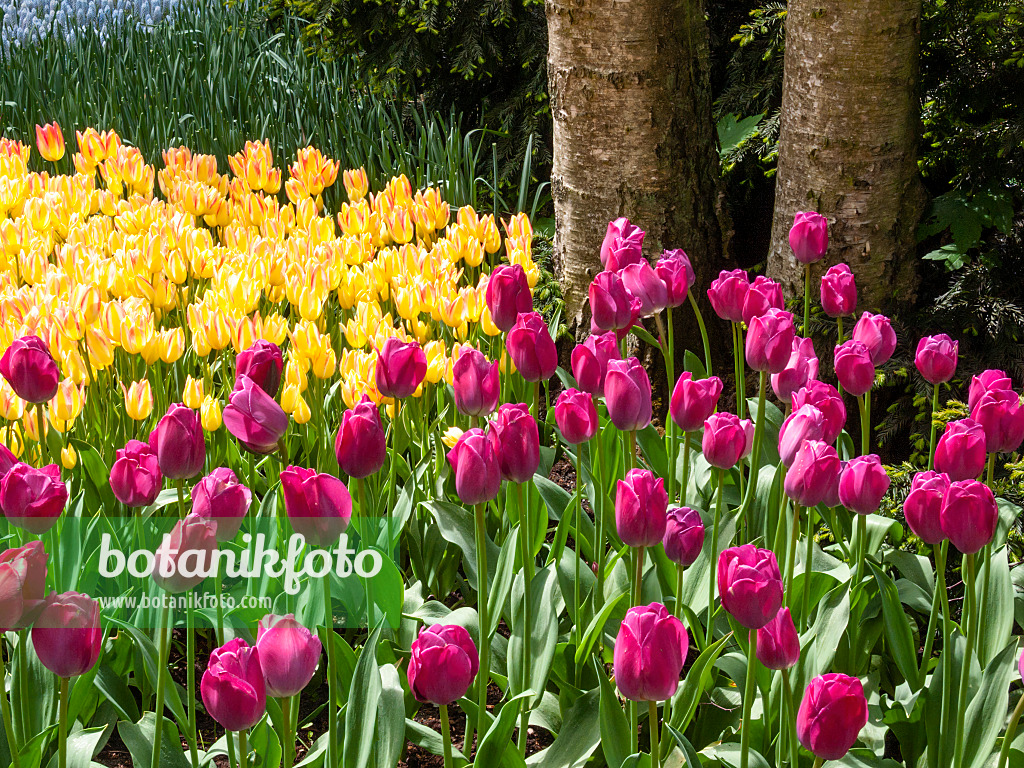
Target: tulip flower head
{"points": [[694, 400], [361, 445], [854, 367], [813, 477], [838, 291], [640, 508], [221, 498], [923, 506], [30, 369], [289, 654], [318, 505], [622, 244], [1001, 415], [969, 515], [875, 332], [750, 585], [862, 484], [803, 424], [936, 358], [649, 654], [475, 464], [475, 383], [531, 347], [643, 283], [727, 439], [233, 687], [254, 418], [263, 363], [576, 416], [22, 585], [188, 549], [960, 452], [179, 443], [778, 644], [516, 441], [983, 382], [801, 368], [66, 635], [727, 294], [808, 237], [590, 361], [826, 399], [50, 141], [612, 306], [627, 393], [508, 295], [831, 715], [135, 476], [401, 366], [769, 341], [762, 295], [676, 272], [443, 664], [32, 498], [684, 536]]}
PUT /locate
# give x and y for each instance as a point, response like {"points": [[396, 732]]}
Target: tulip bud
{"points": [[727, 293], [50, 141], [516, 442], [179, 444], [762, 295], [361, 446], [30, 369], [68, 457], [254, 418], [1001, 416], [612, 307], [808, 237], [640, 508], [727, 439], [233, 687], [289, 654], [649, 654], [221, 498], [531, 348], [443, 664], [475, 464], [838, 291], [627, 393], [801, 368], [694, 400], [622, 245], [770, 341], [985, 381], [960, 452], [508, 295], [138, 400], [643, 284], [936, 358], [826, 399], [576, 416], [854, 368], [831, 715], [33, 498], [805, 423], [590, 361], [862, 484], [476, 384], [684, 536], [676, 272], [210, 414], [778, 644], [923, 506], [185, 554], [22, 585], [875, 332], [969, 515], [750, 585], [135, 477], [318, 505], [66, 635], [401, 366], [813, 477], [263, 363]]}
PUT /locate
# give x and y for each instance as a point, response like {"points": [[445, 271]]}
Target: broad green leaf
{"points": [[361, 713], [987, 710], [614, 725], [579, 737], [897, 625], [138, 737], [997, 621], [390, 718], [697, 680]]}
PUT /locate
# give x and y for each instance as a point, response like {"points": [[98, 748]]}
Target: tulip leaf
{"points": [[456, 524], [427, 738], [819, 643], [149, 657], [265, 744], [694, 365], [596, 627], [641, 333], [987, 710], [84, 745], [504, 575], [698, 678], [498, 739], [997, 622], [361, 713], [138, 737], [897, 625], [543, 633], [390, 718], [653, 447], [692, 759], [578, 738], [614, 726]]}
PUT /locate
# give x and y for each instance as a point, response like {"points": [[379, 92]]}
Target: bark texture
{"points": [[633, 136], [847, 147]]}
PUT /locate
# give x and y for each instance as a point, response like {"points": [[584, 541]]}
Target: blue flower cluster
{"points": [[29, 21]]}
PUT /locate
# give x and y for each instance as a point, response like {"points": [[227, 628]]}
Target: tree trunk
{"points": [[633, 136], [847, 147]]}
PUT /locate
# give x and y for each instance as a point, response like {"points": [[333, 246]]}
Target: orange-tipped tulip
{"points": [[50, 142]]}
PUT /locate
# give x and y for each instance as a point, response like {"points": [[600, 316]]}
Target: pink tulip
{"points": [[516, 442], [826, 399], [801, 368], [401, 366], [622, 245], [443, 664], [7, 460], [808, 237], [803, 424], [778, 644], [33, 498], [875, 332], [684, 536], [854, 368], [627, 393], [727, 293], [66, 635], [475, 464], [727, 439], [936, 358], [254, 418], [862, 484], [233, 688], [508, 295], [770, 341], [318, 505], [22, 585], [763, 294], [361, 446], [694, 400], [135, 476], [263, 363], [649, 654], [813, 477], [30, 369], [640, 507], [188, 548], [643, 284], [531, 348], [983, 382], [221, 498], [838, 291], [923, 506], [1001, 415], [179, 443], [969, 515], [676, 272], [960, 452], [475, 382], [576, 416], [289, 654], [831, 715], [750, 585], [612, 307], [590, 361]]}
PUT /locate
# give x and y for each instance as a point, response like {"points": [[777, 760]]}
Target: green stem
{"points": [[481, 592], [190, 652], [668, 352], [599, 545], [161, 671], [679, 592], [947, 643], [652, 709], [931, 442], [748, 699], [579, 554], [790, 724], [809, 554], [713, 559], [755, 451], [864, 403], [22, 663], [62, 727], [818, 762], [5, 708], [446, 737], [526, 548], [686, 469], [807, 299], [243, 750], [986, 564], [965, 670], [703, 332], [287, 738], [1011, 731], [929, 639], [44, 449], [638, 574], [794, 537], [332, 683]]}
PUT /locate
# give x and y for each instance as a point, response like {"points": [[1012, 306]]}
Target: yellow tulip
{"points": [[50, 142], [67, 403], [192, 396], [68, 457], [138, 400], [210, 414], [451, 436]]}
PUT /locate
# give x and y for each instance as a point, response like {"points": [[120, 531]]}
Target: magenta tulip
{"points": [[612, 307], [622, 245], [960, 452], [531, 348], [640, 508], [7, 460], [1001, 416], [854, 368], [178, 442], [684, 535], [590, 361], [762, 295], [401, 366], [983, 382], [727, 439], [475, 382], [862, 484], [643, 284], [443, 664], [516, 442], [813, 477], [750, 585], [475, 464], [875, 332], [30, 369], [22, 585], [801, 368], [826, 399], [649, 654], [263, 363], [727, 293], [289, 654], [936, 358], [254, 418], [831, 715], [135, 476], [508, 295], [66, 635], [694, 400], [778, 644], [770, 341], [33, 498], [627, 393], [808, 237], [838, 291], [360, 445], [576, 416], [803, 424], [221, 498], [676, 272], [233, 688], [318, 505], [969, 515], [187, 549], [923, 506]]}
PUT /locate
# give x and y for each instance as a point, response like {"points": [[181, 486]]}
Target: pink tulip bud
{"points": [[854, 368], [221, 498], [135, 476], [289, 654], [831, 715], [643, 283], [838, 291], [969, 515], [401, 366], [770, 341], [801, 368], [622, 245], [694, 400], [590, 361], [875, 332], [763, 294], [1001, 415], [22, 585], [808, 237], [531, 348], [627, 393], [778, 644], [862, 484], [983, 382], [475, 464], [508, 295], [923, 506], [960, 452], [826, 399], [612, 307], [233, 688], [803, 424], [684, 536], [263, 363], [936, 358], [66, 635], [7, 460], [443, 665], [750, 585], [727, 439], [576, 416], [30, 369], [727, 293], [814, 476], [649, 654], [360, 445], [676, 272], [640, 507], [33, 498], [475, 382], [516, 442], [318, 505], [254, 418], [187, 549], [179, 444]]}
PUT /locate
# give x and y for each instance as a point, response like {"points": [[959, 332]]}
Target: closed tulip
{"points": [[649, 654], [33, 498], [627, 393], [763, 294], [983, 382], [179, 443], [727, 439], [443, 664], [838, 291], [826, 399], [936, 358], [475, 382], [263, 363], [960, 452], [1001, 416], [66, 635], [694, 400], [135, 476], [508, 295], [923, 506], [531, 348], [361, 445], [684, 535], [254, 418], [22, 585], [769, 341], [590, 361], [813, 478], [30, 369], [187, 549], [576, 416], [401, 366], [801, 368], [676, 272], [803, 424], [289, 654], [516, 442], [875, 332], [475, 464], [808, 237], [831, 715], [233, 687], [221, 498], [969, 515], [7, 460], [318, 505], [50, 141], [750, 585], [138, 400], [643, 283], [612, 307], [640, 508], [854, 368], [862, 484], [778, 644], [727, 293], [622, 245]]}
